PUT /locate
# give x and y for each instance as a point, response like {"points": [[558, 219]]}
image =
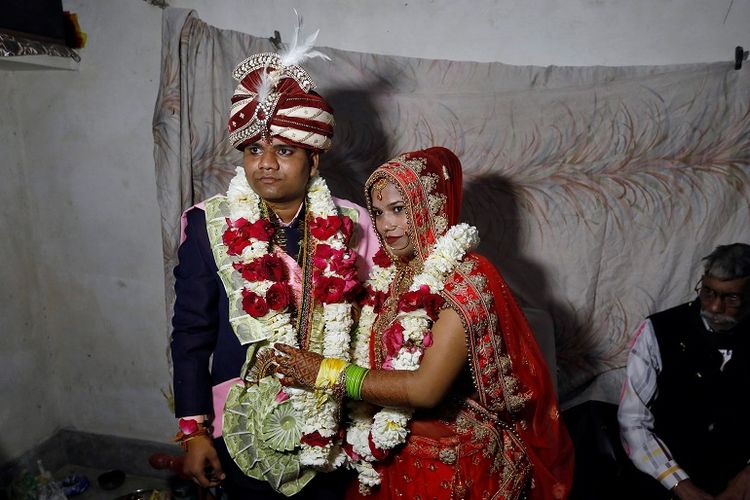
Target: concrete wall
{"points": [[83, 341], [23, 340], [522, 32], [86, 239]]}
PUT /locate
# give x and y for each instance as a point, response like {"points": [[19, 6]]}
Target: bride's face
{"points": [[392, 220]]}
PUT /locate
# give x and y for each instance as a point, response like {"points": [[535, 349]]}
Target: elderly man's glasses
{"points": [[709, 295]]}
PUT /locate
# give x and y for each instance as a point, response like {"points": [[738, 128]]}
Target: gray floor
{"points": [[132, 484], [94, 454]]}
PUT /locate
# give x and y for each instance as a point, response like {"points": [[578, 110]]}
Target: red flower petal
{"points": [[376, 452], [188, 426], [381, 259], [315, 439]]}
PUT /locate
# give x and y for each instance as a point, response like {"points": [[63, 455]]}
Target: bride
{"points": [[449, 394]]}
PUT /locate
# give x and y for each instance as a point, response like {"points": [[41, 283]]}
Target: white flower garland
{"points": [[317, 412], [388, 428]]}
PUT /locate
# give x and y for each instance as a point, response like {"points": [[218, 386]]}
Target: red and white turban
{"points": [[277, 100]]}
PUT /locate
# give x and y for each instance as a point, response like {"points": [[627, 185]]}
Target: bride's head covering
{"points": [[430, 183]]}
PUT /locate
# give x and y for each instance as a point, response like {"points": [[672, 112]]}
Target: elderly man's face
{"points": [[724, 303]]}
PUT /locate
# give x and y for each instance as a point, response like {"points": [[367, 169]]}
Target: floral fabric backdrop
{"points": [[596, 190]]}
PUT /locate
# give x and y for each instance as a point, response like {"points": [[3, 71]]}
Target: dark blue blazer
{"points": [[200, 324]]}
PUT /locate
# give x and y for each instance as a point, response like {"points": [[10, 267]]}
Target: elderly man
{"points": [[275, 260], [684, 409]]}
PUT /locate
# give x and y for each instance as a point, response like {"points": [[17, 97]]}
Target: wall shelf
{"points": [[37, 62]]}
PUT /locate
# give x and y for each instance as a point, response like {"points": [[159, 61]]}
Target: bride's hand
{"points": [[300, 368]]}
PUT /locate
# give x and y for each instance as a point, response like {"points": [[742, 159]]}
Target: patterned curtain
{"points": [[596, 190]]}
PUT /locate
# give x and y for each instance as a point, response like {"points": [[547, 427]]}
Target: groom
{"points": [[269, 228]]}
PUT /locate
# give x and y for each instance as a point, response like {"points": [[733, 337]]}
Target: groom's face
{"points": [[278, 171]]}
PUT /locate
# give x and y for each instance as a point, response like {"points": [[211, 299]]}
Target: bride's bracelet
{"points": [[329, 373], [354, 377], [340, 377]]}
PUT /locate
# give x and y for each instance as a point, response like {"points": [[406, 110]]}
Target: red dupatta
{"points": [[538, 421]]}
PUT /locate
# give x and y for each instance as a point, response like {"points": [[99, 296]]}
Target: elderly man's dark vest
{"points": [[701, 410]]}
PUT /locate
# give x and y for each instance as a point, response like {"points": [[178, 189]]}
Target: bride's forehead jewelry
{"points": [[378, 187]]}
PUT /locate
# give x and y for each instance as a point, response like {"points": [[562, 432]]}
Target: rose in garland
{"points": [[329, 289], [253, 304], [239, 233], [381, 259], [422, 298], [279, 296], [323, 228], [268, 267]]}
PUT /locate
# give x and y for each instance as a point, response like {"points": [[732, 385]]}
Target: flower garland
{"points": [[371, 437], [267, 296]]}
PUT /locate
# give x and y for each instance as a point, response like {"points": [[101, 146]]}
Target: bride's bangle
{"points": [[354, 376], [329, 373]]}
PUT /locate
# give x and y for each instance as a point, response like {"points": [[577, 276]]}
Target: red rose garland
{"points": [[266, 295]]}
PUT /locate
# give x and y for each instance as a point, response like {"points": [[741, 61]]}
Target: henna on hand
{"points": [[300, 368]]}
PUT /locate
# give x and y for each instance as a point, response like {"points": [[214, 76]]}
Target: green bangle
{"points": [[354, 378]]}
